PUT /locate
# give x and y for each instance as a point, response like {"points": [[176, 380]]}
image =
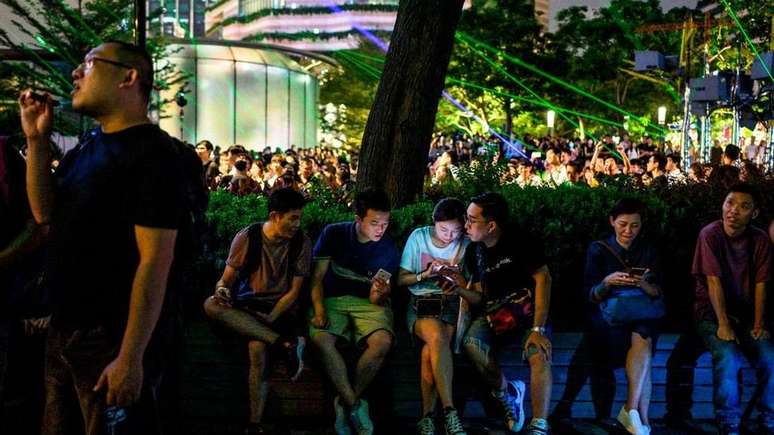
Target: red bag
{"points": [[506, 314]]}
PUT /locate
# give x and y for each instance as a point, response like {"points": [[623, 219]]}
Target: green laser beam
{"points": [[516, 97], [747, 38], [462, 36], [535, 102], [377, 74], [502, 70]]}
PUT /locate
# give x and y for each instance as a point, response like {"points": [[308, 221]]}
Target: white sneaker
{"points": [[512, 402], [631, 421], [360, 419], [341, 425]]}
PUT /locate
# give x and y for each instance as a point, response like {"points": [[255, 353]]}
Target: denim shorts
{"points": [[480, 336], [449, 312]]}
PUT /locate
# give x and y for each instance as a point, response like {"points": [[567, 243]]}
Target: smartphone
{"points": [[637, 272], [383, 274]]}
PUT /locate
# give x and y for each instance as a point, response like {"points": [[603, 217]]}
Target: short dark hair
{"points": [[236, 149], [240, 165], [675, 158], [285, 199], [748, 189], [628, 206], [493, 207], [660, 161], [207, 144], [449, 209], [732, 152], [371, 199], [141, 60]]}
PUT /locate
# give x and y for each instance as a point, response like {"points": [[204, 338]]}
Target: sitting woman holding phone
{"points": [[621, 278], [431, 253]]}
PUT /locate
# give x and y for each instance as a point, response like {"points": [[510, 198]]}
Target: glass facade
{"points": [[245, 96]]}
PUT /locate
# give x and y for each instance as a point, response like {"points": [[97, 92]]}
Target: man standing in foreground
{"points": [[113, 207]]}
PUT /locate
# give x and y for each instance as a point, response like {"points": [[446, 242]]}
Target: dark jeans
{"points": [[74, 361], [727, 360], [5, 331]]}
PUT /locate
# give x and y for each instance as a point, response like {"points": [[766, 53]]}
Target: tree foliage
{"points": [[61, 35]]}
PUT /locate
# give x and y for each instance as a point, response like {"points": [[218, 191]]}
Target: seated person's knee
{"points": [[380, 341], [212, 307]]}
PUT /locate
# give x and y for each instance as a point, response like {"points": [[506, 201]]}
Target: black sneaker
{"points": [[295, 357]]}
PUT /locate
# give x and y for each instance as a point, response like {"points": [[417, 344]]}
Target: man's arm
{"points": [[542, 279], [718, 300], [123, 376], [320, 269], [37, 121], [288, 299]]}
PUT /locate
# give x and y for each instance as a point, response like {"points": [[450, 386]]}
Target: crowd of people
{"points": [[552, 161], [111, 217], [535, 162]]}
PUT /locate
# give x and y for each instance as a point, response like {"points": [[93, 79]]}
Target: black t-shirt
{"points": [[104, 187], [509, 265]]}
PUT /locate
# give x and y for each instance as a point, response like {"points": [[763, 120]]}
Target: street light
{"points": [[661, 115], [550, 118]]}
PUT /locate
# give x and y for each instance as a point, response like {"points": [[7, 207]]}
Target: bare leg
{"points": [[335, 366], [239, 321], [485, 363], [644, 403], [427, 385], [257, 385], [437, 337], [637, 363], [379, 343], [540, 382]]}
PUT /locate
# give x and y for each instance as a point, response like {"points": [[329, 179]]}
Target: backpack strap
{"points": [[615, 254], [254, 250], [294, 251]]}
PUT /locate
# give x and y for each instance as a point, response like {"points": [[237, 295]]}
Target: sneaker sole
{"points": [[300, 355], [521, 388]]}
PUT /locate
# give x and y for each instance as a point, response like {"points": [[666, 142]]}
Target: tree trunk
{"points": [[393, 154]]}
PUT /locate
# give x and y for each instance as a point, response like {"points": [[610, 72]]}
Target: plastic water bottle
{"points": [[114, 416]]}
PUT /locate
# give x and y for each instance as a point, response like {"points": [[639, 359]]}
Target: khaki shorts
{"points": [[353, 318]]}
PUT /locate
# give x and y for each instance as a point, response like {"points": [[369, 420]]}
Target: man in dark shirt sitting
{"points": [[501, 260], [350, 298], [732, 265], [113, 207]]}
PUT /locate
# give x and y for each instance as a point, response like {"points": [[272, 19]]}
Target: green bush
{"points": [[567, 219]]}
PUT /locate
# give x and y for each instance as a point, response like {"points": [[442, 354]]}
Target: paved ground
{"points": [[474, 427]]}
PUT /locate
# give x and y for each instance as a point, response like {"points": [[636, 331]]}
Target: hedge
{"points": [[567, 218]]}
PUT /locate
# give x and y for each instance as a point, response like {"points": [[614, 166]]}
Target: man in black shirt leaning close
{"points": [[113, 207], [502, 261]]}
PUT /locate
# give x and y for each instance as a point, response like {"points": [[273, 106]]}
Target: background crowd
{"points": [[533, 162]]}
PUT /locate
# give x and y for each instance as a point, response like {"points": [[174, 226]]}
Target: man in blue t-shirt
{"points": [[350, 299]]}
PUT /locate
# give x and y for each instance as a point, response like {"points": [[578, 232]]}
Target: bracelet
{"points": [[539, 329], [419, 277]]}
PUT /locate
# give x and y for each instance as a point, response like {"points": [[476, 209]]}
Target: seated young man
{"points": [[732, 264], [256, 295], [502, 262], [350, 303]]}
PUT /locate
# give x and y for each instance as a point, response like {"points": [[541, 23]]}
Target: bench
{"points": [[214, 382]]}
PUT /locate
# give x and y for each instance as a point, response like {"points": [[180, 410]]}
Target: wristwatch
{"points": [[539, 329]]}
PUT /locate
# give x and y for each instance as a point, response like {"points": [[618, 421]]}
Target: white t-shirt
{"points": [[420, 251]]}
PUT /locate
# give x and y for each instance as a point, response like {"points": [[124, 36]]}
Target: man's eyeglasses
{"points": [[88, 63]]}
